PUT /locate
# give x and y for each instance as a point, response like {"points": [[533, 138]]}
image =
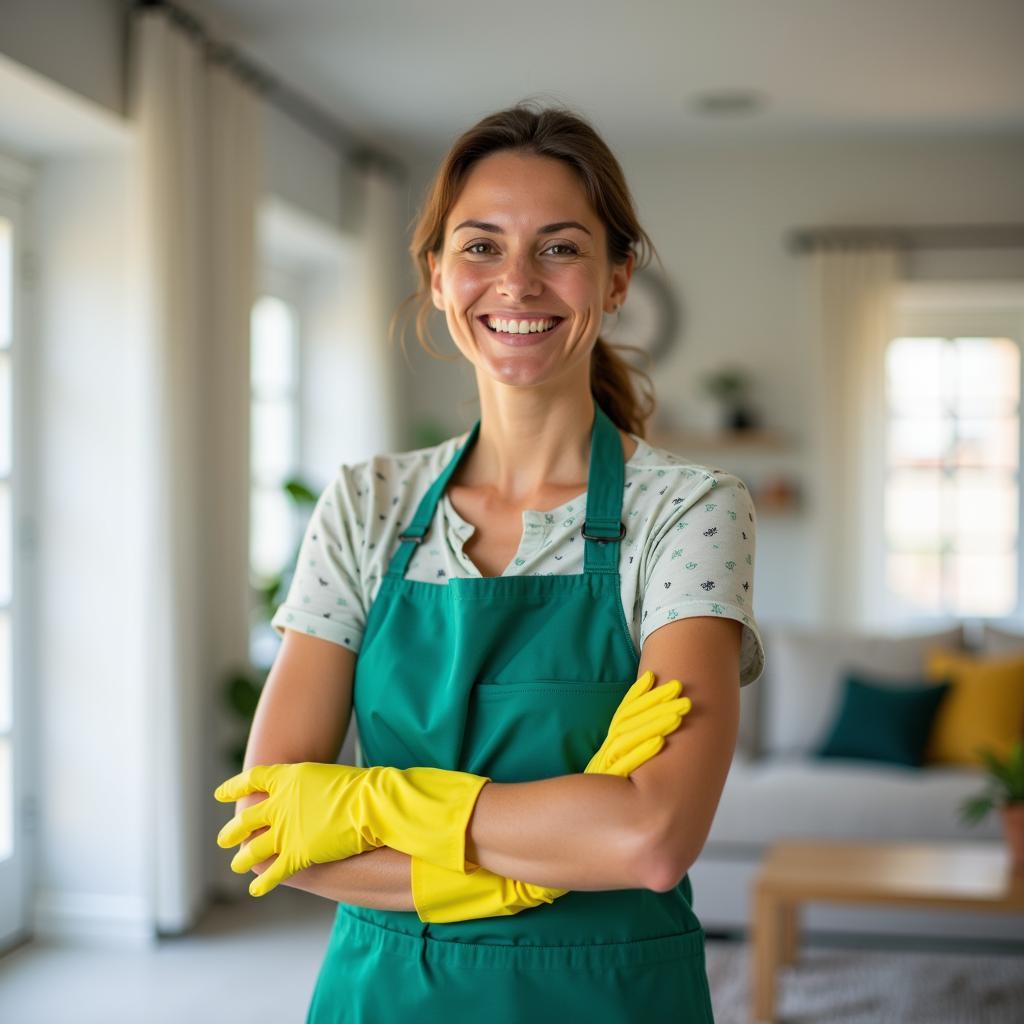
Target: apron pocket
{"points": [[564, 720]]}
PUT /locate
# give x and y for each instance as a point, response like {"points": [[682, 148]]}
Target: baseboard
{"points": [[93, 918]]}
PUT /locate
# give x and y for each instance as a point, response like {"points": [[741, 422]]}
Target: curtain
{"points": [[849, 297], [200, 176]]}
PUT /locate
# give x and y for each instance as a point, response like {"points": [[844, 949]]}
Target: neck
{"points": [[529, 442]]}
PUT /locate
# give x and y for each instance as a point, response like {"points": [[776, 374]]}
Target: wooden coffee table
{"points": [[938, 875]]}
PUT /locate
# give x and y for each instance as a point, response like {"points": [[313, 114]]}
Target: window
{"points": [[6, 539], [274, 451], [952, 478]]}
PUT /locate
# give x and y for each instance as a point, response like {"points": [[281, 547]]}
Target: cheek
{"points": [[465, 284]]}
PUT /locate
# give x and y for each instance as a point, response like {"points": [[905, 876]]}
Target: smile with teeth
{"points": [[520, 326]]}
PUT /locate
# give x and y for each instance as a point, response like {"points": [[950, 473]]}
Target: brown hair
{"points": [[559, 133]]}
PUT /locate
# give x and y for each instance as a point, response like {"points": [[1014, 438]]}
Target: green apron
{"points": [[515, 678]]}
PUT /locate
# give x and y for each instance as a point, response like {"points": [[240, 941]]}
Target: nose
{"points": [[519, 278]]}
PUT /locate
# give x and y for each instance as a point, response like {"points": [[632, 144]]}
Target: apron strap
{"points": [[602, 527]]}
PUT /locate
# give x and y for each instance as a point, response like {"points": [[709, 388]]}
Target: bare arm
{"points": [[586, 832], [303, 715], [593, 832]]}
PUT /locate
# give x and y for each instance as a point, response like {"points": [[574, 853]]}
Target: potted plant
{"points": [[728, 386], [1005, 789], [242, 686]]}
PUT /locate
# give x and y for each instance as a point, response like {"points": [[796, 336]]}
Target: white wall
{"points": [[77, 44], [718, 215], [92, 861]]}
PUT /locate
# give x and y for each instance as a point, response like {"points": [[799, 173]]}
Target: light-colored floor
{"points": [[255, 962]]}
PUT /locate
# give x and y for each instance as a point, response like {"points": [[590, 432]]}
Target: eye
{"points": [[473, 245], [572, 250]]}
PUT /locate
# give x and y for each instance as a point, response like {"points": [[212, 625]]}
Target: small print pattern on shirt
{"points": [[689, 547]]}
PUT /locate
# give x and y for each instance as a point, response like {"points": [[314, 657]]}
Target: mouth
{"points": [[522, 338]]}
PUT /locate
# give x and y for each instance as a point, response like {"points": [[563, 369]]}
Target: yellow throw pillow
{"points": [[983, 708]]}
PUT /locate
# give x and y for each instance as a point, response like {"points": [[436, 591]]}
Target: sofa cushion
{"points": [[804, 669], [984, 708], [799, 797], [883, 722]]}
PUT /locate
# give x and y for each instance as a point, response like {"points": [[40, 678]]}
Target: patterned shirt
{"points": [[688, 550]]}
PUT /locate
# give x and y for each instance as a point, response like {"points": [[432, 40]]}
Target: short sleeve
{"points": [[325, 596], [702, 563]]}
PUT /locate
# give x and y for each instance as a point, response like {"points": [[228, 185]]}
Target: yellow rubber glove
{"points": [[636, 733], [318, 813]]}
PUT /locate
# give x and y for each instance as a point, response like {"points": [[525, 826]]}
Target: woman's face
{"points": [[522, 244]]}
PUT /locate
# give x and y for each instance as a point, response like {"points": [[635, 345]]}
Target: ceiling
{"points": [[408, 76]]}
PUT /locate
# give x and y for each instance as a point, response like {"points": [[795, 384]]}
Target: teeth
{"points": [[520, 326]]}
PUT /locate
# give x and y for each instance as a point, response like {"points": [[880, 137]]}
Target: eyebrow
{"points": [[547, 229]]}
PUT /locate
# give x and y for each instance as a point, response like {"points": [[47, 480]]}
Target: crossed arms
{"points": [[585, 832]]}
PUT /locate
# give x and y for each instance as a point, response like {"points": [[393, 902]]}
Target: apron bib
{"points": [[515, 678]]}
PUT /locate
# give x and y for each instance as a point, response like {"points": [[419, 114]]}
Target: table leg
{"points": [[789, 922], [765, 952]]}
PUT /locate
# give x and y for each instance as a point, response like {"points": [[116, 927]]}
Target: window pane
{"points": [[919, 441], [6, 673], [6, 799], [273, 347], [916, 579], [987, 376], [987, 441], [914, 511], [981, 584], [6, 414], [273, 440], [273, 531], [916, 376], [6, 283], [5, 543], [985, 506]]}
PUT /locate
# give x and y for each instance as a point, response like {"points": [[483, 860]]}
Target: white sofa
{"points": [[775, 790]]}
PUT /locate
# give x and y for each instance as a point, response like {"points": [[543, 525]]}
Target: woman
{"points": [[504, 589]]}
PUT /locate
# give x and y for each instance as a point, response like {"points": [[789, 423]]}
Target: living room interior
{"points": [[205, 216]]}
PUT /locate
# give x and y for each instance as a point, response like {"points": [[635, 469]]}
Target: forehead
{"points": [[519, 190]]}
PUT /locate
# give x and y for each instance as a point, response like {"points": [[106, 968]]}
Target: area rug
{"points": [[837, 985]]}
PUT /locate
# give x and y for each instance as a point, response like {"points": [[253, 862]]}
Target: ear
{"points": [[435, 281], [621, 274]]}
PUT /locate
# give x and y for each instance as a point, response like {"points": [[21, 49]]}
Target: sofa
{"points": [[778, 789]]}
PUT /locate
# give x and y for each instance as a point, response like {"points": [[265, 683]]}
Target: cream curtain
{"points": [[200, 176], [849, 296]]}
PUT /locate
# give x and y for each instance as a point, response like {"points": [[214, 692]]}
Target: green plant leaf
{"points": [[973, 809], [299, 492], [995, 764], [243, 694]]}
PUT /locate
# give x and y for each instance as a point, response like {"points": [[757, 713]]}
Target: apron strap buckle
{"points": [[591, 536]]}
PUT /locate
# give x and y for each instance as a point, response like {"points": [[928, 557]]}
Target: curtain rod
{"points": [[339, 136], [929, 236]]}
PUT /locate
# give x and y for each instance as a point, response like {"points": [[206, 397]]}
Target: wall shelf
{"points": [[720, 441]]}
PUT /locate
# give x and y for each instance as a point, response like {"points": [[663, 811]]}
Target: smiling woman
{"points": [[506, 591]]}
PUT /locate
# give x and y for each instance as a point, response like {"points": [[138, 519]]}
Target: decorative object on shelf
{"points": [[1005, 789], [650, 318], [777, 493], [729, 386]]}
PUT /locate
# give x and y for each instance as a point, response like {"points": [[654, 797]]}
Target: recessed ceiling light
{"points": [[728, 102]]}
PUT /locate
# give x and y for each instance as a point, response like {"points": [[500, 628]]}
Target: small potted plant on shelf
{"points": [[1004, 789], [729, 386]]}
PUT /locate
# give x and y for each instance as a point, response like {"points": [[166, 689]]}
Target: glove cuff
{"points": [[424, 812]]}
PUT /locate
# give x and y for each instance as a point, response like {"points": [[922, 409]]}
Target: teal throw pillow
{"points": [[884, 722]]}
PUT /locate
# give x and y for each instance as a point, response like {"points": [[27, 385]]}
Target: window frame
{"points": [[951, 309]]}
